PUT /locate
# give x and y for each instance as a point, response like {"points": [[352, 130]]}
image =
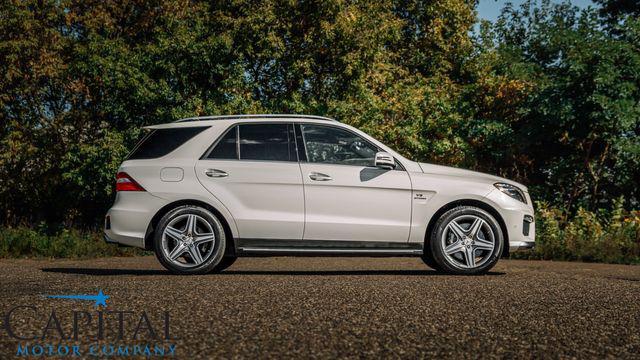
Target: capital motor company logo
{"points": [[94, 332]]}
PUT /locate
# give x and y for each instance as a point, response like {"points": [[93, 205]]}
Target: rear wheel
{"points": [[189, 240], [466, 240]]}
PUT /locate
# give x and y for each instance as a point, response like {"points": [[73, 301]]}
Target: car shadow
{"points": [[143, 272], [343, 272], [105, 272]]}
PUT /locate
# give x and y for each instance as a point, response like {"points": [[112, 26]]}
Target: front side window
{"points": [[332, 145], [266, 142]]}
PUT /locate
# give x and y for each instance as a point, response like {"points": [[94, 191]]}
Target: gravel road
{"points": [[326, 308]]}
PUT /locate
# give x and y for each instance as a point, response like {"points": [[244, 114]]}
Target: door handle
{"points": [[316, 176], [215, 173]]}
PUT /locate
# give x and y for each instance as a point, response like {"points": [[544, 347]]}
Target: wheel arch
{"points": [[469, 202], [148, 238]]}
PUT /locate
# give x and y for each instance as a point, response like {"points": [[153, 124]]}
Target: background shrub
{"points": [[607, 236], [27, 242]]}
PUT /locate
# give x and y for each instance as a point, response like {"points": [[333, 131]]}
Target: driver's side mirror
{"points": [[384, 160]]}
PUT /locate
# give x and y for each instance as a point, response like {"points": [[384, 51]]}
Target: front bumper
{"points": [[521, 245], [518, 218]]}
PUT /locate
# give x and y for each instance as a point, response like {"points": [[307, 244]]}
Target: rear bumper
{"points": [[108, 240], [129, 218]]}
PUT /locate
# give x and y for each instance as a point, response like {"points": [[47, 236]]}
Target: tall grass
{"points": [[21, 242]]}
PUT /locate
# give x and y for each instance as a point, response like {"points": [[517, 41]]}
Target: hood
{"points": [[467, 174]]}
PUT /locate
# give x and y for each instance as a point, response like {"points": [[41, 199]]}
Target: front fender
{"points": [[431, 192]]}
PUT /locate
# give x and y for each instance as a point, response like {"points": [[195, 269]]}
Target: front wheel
{"points": [[189, 240], [224, 264], [466, 240]]}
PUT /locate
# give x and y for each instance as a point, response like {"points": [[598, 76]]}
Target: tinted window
{"points": [[331, 145], [227, 147], [160, 142], [272, 142]]}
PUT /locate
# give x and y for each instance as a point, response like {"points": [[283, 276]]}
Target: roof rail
{"points": [[253, 116]]}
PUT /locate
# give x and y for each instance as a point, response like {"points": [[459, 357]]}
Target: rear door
{"points": [[346, 197], [253, 170]]}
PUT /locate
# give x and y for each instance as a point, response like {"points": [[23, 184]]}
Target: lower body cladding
{"points": [[272, 247]]}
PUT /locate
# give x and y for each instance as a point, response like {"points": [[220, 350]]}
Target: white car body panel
{"points": [[278, 201], [129, 213], [357, 204], [266, 198]]}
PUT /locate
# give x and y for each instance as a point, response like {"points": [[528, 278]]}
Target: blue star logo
{"points": [[100, 299]]}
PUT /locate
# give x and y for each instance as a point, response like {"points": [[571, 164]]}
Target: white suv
{"points": [[203, 191]]}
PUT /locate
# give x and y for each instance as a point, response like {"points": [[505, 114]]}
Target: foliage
{"points": [[564, 94], [81, 77], [610, 236], [28, 242], [549, 95], [615, 11]]}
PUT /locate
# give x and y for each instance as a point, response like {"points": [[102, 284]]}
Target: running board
{"points": [[269, 247]]}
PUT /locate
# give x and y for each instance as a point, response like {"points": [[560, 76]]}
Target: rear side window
{"points": [[160, 142], [266, 142]]}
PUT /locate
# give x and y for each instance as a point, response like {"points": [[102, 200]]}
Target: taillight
{"points": [[124, 182]]}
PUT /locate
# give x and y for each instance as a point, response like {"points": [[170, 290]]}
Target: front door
{"points": [[253, 170], [346, 197]]}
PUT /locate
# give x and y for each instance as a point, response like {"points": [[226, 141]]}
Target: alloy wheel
{"points": [[468, 241], [188, 240]]}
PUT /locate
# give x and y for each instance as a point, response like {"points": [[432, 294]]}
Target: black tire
{"points": [[489, 258], [211, 261], [428, 259], [224, 264]]}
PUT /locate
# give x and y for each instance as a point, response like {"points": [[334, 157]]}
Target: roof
{"points": [[254, 116]]}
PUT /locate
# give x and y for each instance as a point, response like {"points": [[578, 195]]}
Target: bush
{"points": [[26, 242], [603, 236]]}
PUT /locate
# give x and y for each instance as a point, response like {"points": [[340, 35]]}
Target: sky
{"points": [[490, 9]]}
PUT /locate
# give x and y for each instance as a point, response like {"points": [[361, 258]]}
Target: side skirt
{"points": [[272, 247]]}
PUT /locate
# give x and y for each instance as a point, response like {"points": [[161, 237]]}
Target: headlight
{"points": [[512, 191]]}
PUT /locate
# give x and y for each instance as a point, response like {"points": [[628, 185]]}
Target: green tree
{"points": [[548, 95], [573, 121], [81, 77], [615, 11]]}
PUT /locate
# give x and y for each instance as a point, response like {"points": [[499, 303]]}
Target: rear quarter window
{"points": [[160, 142]]}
